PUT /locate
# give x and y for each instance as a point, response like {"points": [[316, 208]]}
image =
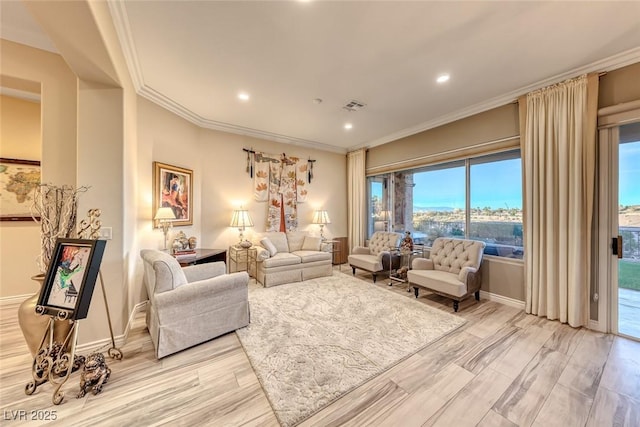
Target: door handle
{"points": [[616, 246]]}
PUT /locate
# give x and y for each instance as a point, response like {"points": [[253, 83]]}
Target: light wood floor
{"points": [[503, 368]]}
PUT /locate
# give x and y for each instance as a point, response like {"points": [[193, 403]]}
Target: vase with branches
{"points": [[55, 208]]}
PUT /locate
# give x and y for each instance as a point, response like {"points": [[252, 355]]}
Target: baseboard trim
{"points": [[511, 302], [15, 299], [595, 325], [120, 340]]}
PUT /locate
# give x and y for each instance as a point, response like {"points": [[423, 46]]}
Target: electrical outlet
{"points": [[106, 233]]}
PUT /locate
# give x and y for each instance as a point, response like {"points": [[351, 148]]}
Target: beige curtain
{"points": [[356, 198], [558, 145]]}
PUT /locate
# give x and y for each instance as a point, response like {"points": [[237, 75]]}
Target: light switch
{"points": [[106, 233]]}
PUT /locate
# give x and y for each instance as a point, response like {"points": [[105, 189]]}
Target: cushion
{"points": [[312, 256], [279, 240], [311, 243], [268, 245], [295, 239], [283, 258]]}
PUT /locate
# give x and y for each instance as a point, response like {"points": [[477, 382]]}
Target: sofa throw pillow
{"points": [[266, 243], [311, 243]]}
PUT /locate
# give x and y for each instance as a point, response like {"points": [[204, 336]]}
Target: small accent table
{"points": [[403, 255], [241, 259], [202, 256]]}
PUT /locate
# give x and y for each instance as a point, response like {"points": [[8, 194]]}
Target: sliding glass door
{"points": [[628, 239]]}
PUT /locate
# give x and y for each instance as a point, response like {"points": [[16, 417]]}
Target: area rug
{"points": [[312, 342]]}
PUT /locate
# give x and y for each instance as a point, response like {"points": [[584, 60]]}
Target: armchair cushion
{"points": [[268, 245], [193, 273]]}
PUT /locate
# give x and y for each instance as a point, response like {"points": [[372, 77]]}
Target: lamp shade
{"points": [[241, 219], [321, 217], [164, 214], [386, 215]]}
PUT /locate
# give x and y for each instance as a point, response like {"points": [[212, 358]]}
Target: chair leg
{"points": [[415, 291], [477, 295], [354, 270], [375, 276], [455, 306]]}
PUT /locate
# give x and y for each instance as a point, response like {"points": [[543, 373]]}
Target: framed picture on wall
{"points": [[71, 277], [18, 180], [173, 188]]}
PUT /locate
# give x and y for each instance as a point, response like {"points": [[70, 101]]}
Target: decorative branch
{"points": [[57, 208]]}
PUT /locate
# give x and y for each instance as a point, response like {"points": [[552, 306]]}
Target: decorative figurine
{"points": [[95, 374], [193, 242], [407, 242]]}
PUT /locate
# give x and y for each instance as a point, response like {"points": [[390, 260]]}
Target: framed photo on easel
{"points": [[70, 278]]}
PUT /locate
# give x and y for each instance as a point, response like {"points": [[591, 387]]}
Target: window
{"points": [[477, 198], [496, 203]]}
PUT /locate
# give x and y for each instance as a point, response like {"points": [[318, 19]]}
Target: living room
{"points": [[99, 131]]}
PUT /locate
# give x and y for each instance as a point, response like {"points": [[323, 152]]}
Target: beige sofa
{"points": [[370, 258], [452, 269], [290, 257], [191, 305]]}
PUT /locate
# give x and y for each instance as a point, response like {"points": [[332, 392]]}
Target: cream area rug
{"points": [[312, 342]]}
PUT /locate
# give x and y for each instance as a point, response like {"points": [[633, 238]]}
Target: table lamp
{"points": [[165, 216], [321, 217], [240, 220]]}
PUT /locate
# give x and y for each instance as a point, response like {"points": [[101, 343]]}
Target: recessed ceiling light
{"points": [[443, 78], [243, 96], [348, 126]]}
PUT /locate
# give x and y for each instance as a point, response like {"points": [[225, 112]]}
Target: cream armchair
{"points": [[371, 258], [191, 305], [452, 269]]}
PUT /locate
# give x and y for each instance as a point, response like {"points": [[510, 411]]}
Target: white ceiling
{"points": [[194, 57]]}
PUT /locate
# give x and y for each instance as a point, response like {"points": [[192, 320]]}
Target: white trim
{"points": [[104, 343], [511, 302], [20, 94], [595, 325], [14, 299]]}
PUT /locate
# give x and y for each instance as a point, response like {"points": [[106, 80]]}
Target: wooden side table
{"points": [[202, 256]]}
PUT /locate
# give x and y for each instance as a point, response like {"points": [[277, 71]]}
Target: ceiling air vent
{"points": [[354, 106]]}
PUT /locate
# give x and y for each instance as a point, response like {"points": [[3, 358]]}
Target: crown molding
{"points": [[611, 63], [123, 30]]}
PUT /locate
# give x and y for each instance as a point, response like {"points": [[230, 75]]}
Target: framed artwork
{"points": [[18, 180], [173, 188], [71, 277]]}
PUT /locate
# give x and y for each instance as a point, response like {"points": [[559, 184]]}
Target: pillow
{"points": [[268, 246], [311, 243]]}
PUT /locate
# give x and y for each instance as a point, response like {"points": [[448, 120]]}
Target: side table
{"points": [[241, 259], [404, 256]]}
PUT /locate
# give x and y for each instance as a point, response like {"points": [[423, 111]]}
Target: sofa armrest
{"points": [[208, 270], [262, 253], [467, 273], [383, 253], [422, 264], [361, 250]]}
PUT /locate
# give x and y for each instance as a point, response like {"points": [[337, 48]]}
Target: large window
{"points": [[477, 198]]}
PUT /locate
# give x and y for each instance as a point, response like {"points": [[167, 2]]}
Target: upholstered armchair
{"points": [[191, 305], [452, 269], [371, 258]]}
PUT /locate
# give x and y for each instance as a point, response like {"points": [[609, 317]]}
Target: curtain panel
{"points": [[356, 198], [558, 148]]}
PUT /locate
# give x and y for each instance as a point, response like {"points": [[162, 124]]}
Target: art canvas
{"points": [[173, 189], [71, 278], [18, 180]]}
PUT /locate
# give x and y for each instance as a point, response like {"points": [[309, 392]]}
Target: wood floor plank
{"points": [[493, 419], [622, 372], [471, 404], [564, 407], [525, 396], [613, 409]]}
